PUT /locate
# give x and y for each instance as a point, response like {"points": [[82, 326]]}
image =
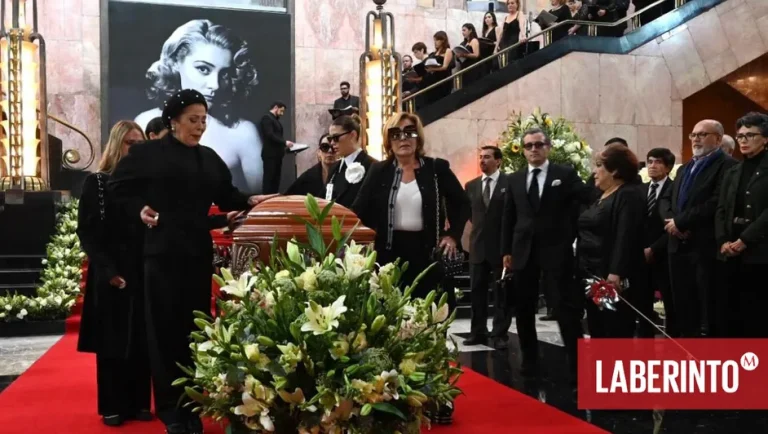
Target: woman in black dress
{"points": [[610, 244], [466, 60], [112, 324], [169, 185], [561, 11], [314, 179], [445, 62], [513, 31]]}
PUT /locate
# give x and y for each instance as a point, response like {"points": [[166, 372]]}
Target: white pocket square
{"points": [[556, 182]]}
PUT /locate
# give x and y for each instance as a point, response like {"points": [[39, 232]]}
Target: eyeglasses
{"points": [[335, 139], [746, 136], [326, 147], [693, 136], [404, 134], [537, 145]]}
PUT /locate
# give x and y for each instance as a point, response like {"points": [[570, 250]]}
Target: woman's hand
{"points": [[448, 246], [149, 217], [615, 280], [523, 40], [117, 282], [257, 199]]}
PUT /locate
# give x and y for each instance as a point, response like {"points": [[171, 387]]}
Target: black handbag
{"points": [[449, 266]]}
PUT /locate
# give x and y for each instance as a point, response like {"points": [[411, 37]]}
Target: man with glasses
{"points": [[346, 101], [537, 244], [688, 209], [741, 226]]}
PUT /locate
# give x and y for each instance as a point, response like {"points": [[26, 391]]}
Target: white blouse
{"points": [[408, 208]]}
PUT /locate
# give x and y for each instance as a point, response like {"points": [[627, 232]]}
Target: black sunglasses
{"points": [[333, 139], [404, 134], [537, 145], [326, 147]]}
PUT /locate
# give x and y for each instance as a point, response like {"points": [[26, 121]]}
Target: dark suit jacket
{"points": [[550, 227], [372, 204], [698, 215], [654, 235], [485, 244], [345, 193], [342, 103], [272, 136], [756, 203], [310, 182]]}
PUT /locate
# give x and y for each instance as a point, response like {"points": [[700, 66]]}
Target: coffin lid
{"points": [[278, 216]]}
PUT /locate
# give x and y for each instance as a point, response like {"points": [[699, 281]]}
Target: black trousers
{"points": [[123, 385], [570, 308], [273, 167], [641, 294], [176, 286], [691, 276], [484, 276], [744, 307]]}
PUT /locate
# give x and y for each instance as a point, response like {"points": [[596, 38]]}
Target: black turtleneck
{"points": [[748, 168]]}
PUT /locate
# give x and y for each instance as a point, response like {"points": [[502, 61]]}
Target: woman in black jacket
{"points": [[314, 179], [112, 324], [407, 199]]}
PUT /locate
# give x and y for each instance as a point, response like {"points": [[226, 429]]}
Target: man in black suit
{"points": [[537, 243], [486, 195], [274, 147], [659, 163], [346, 99], [346, 176], [689, 212]]}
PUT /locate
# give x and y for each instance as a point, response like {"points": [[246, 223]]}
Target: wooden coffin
{"points": [[277, 216]]}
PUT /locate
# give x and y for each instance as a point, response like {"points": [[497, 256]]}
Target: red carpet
{"points": [[58, 395]]}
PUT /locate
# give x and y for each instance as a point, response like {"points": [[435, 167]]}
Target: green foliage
{"points": [[323, 341]]}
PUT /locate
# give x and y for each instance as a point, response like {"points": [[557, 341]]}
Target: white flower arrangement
{"points": [[355, 173], [60, 277]]}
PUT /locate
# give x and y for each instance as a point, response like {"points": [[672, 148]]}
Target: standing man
{"points": [[659, 162], [689, 212], [274, 147], [537, 244], [346, 99], [486, 195]]}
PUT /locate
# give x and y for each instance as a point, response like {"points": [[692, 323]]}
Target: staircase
{"points": [[19, 274]]}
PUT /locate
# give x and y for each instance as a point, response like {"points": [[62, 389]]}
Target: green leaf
{"points": [[324, 214], [366, 410], [336, 228], [388, 408], [179, 381], [219, 281], [227, 274], [195, 395], [316, 240], [314, 209]]}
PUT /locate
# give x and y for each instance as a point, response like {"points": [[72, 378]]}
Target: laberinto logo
{"points": [[674, 376]]}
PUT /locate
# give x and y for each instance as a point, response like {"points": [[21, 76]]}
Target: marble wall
{"points": [[637, 96]]}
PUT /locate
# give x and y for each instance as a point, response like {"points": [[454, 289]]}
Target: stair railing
{"points": [[72, 156], [502, 55]]}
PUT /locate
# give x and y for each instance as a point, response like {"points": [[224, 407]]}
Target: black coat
{"points": [[112, 242], [345, 193], [756, 203], [372, 204], [698, 214], [180, 183], [551, 227], [310, 182], [272, 136], [484, 240]]}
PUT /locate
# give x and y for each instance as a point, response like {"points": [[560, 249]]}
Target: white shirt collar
{"points": [[349, 159], [494, 176], [543, 167], [660, 183]]}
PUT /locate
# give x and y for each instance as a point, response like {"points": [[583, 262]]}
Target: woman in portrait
{"points": [[112, 324], [212, 60], [313, 180], [169, 185]]}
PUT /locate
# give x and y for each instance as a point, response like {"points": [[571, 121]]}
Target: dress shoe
{"points": [[176, 428], [112, 420], [550, 316], [141, 416], [476, 340], [500, 343]]}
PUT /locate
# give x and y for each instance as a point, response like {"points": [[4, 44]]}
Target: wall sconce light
{"points": [[23, 139], [380, 75]]}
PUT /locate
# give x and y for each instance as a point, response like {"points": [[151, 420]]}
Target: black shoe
{"points": [[112, 420], [550, 316], [500, 343], [195, 426], [176, 428], [476, 340], [144, 416]]}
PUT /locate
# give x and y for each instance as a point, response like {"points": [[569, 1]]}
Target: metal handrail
{"points": [[79, 131], [504, 51]]}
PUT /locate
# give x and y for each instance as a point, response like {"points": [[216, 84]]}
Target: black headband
{"points": [[179, 101]]}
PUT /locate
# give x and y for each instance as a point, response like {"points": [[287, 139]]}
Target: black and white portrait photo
{"points": [[238, 59]]}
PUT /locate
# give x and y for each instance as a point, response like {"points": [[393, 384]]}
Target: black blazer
{"points": [[699, 213], [484, 241], [551, 226], [112, 241], [309, 182], [756, 202], [345, 193], [272, 136], [372, 204]]}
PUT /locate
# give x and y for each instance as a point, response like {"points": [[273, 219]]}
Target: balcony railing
{"points": [[502, 55]]}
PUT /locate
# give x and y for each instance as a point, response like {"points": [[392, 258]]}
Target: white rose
{"points": [[2, 315], [571, 148], [8, 307], [575, 158], [284, 274], [307, 280], [355, 173]]}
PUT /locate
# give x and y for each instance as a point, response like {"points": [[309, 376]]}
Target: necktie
{"points": [[651, 202], [487, 192], [533, 190]]}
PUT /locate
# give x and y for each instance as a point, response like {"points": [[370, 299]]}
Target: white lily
{"points": [[240, 287], [321, 320]]}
